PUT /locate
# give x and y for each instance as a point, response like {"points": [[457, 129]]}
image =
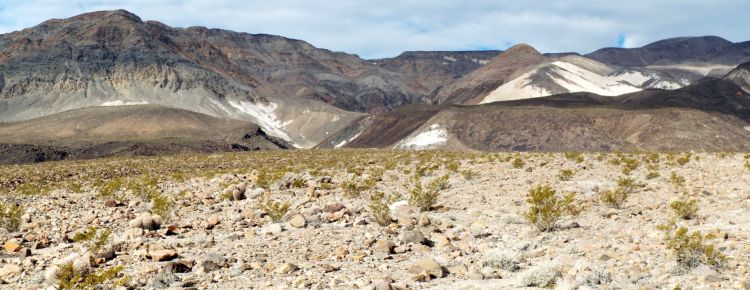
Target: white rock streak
{"points": [[427, 139], [574, 78], [264, 116]]}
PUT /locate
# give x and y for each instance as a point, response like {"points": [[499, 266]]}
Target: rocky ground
{"points": [[206, 222]]}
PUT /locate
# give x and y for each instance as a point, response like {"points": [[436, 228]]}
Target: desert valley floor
{"points": [[346, 219]]}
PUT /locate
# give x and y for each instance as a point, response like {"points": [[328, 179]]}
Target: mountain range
{"points": [[108, 83]]}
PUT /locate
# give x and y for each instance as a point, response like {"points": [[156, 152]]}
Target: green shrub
{"points": [[10, 216], [379, 210], [691, 249], [684, 209], [614, 198], [275, 210], [32, 188], [518, 162], [684, 159], [565, 175], [69, 278], [546, 207], [425, 198], [576, 157], [629, 164], [468, 174], [94, 237], [162, 205], [617, 197], [628, 185], [266, 178], [74, 187], [653, 170], [299, 183], [111, 187], [676, 180], [452, 166]]}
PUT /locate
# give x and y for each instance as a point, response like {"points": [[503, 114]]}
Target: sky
{"points": [[385, 28]]}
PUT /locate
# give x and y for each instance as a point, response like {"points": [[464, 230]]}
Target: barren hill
{"points": [[127, 130]]}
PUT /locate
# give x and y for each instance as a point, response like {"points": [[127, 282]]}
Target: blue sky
{"points": [[384, 28]]}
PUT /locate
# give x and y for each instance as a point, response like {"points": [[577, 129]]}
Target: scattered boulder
{"points": [[427, 265], [411, 237], [146, 221], [382, 248], [163, 255], [297, 221], [12, 246], [287, 268], [271, 229], [333, 207]]}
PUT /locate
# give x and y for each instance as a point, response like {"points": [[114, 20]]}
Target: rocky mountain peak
{"points": [[108, 15], [521, 49]]}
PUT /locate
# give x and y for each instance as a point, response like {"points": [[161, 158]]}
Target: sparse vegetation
{"points": [[565, 175], [487, 207], [162, 205], [617, 197], [379, 211], [614, 198], [576, 157], [546, 207], [518, 162], [425, 198], [69, 278], [677, 180], [110, 188], [275, 210], [691, 248], [684, 209], [94, 238], [10, 216]]}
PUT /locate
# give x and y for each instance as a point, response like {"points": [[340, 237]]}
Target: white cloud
{"points": [[387, 27]]}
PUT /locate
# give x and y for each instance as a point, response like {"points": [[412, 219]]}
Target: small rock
{"points": [[180, 266], [334, 207], [12, 246], [287, 268], [212, 222], [439, 240], [110, 203], [382, 248], [427, 265], [163, 255], [381, 285], [329, 268], [271, 229], [572, 225], [298, 221], [9, 270], [411, 237], [424, 221], [341, 252], [474, 275]]}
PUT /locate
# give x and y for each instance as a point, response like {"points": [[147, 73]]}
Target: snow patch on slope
{"points": [[122, 103], [264, 116], [432, 137]]}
